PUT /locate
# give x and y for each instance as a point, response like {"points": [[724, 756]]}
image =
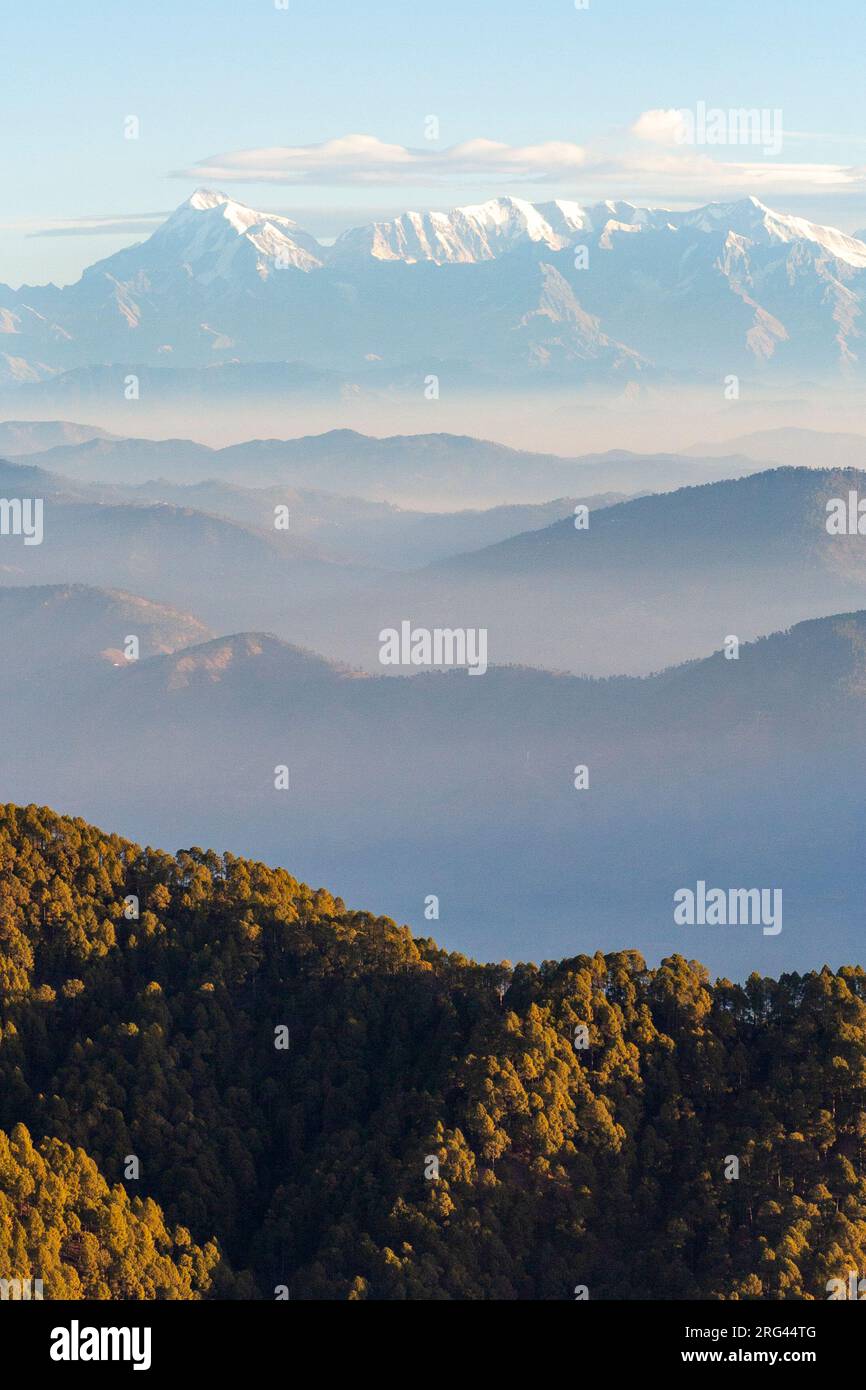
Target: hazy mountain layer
{"points": [[741, 774], [345, 529], [438, 471], [648, 582]]}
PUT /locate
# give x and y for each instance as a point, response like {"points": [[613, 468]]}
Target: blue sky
{"points": [[214, 81]]}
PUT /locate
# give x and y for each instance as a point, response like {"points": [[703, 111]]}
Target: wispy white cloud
{"points": [[649, 159], [117, 224], [364, 159], [693, 172]]}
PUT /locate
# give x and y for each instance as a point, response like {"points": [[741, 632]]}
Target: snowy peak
{"points": [[845, 248], [212, 235], [206, 198], [240, 218], [753, 220], [477, 232]]}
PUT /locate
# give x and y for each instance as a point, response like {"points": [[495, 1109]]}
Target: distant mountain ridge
{"points": [[345, 528], [436, 471], [497, 289], [793, 445], [19, 437]]}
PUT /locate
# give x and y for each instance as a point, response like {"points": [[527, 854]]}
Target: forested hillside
{"points": [[310, 1168]]}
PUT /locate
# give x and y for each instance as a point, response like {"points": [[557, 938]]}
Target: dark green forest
{"points": [[289, 1074]]}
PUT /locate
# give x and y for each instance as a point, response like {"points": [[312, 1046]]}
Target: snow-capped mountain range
{"points": [[496, 289], [492, 229]]}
